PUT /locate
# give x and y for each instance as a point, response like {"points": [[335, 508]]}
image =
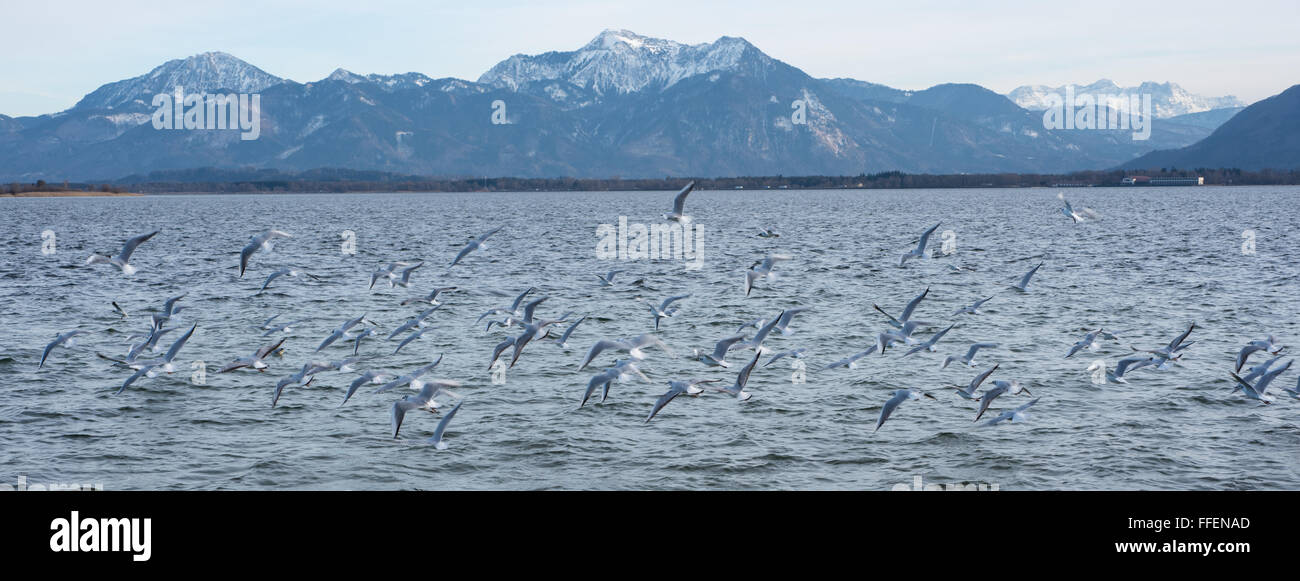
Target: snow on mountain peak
{"points": [[621, 61], [1168, 99], [206, 72]]}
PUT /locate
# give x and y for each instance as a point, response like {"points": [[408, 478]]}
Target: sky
{"points": [[56, 51]]}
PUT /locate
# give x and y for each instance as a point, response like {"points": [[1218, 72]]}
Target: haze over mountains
{"points": [[1167, 99], [622, 105]]}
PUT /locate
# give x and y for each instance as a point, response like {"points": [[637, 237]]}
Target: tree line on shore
{"points": [[210, 180]]}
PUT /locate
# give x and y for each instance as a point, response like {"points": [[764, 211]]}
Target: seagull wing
{"points": [[129, 247]]}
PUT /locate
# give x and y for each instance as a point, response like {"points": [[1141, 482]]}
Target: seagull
{"points": [[532, 331], [929, 345], [514, 307], [259, 242], [1269, 346], [152, 367], [1015, 416], [737, 390], [664, 310], [762, 269], [1126, 365], [851, 361], [919, 251], [898, 323], [608, 278], [285, 272], [170, 309], [254, 361], [473, 245], [405, 282], [420, 401], [633, 346], [1259, 391], [64, 339], [267, 325], [413, 379], [356, 339], [307, 370], [432, 298], [900, 396], [783, 322], [973, 309], [968, 392], [413, 323], [1000, 387], [756, 343], [1171, 351], [386, 272], [285, 328], [768, 232], [1257, 371], [436, 439], [119, 310], [1088, 342], [510, 319], [341, 332], [408, 339], [969, 358], [563, 341], [719, 356], [904, 335], [367, 377], [123, 258], [1294, 391], [679, 202], [676, 388], [796, 353], [1023, 285], [1080, 216], [621, 370], [502, 346]]}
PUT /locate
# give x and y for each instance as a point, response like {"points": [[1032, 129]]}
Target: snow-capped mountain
{"points": [[1167, 99], [620, 62], [210, 71]]}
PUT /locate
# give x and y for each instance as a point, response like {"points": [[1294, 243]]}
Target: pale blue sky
{"points": [[56, 50]]}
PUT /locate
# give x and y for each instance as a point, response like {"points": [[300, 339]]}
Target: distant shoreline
{"points": [[66, 194]]}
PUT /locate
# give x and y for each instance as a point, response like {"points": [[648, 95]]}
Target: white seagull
{"points": [[260, 242], [123, 258]]}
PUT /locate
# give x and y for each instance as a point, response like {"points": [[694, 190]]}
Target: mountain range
{"points": [[622, 105], [1168, 100]]}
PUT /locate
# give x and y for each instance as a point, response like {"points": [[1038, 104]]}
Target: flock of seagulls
{"points": [[523, 325]]}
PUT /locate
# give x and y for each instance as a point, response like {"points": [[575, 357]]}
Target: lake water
{"points": [[1157, 260]]}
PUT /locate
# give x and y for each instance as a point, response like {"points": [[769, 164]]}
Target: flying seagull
{"points": [[123, 258], [421, 401], [919, 251], [737, 390], [1023, 285], [473, 245], [1015, 416], [259, 242], [899, 397], [665, 309], [65, 340], [679, 203], [719, 356], [676, 388]]}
